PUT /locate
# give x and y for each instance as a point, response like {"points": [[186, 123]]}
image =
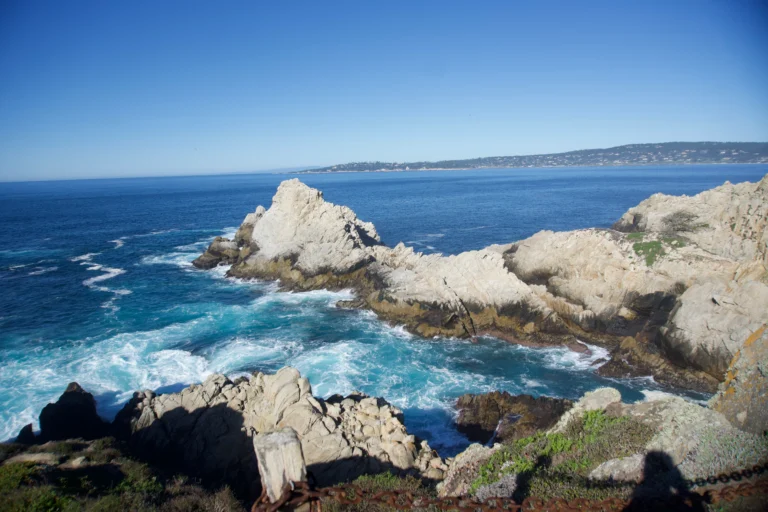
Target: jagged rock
{"points": [[506, 417], [207, 429], [321, 236], [26, 435], [72, 416], [743, 397]]}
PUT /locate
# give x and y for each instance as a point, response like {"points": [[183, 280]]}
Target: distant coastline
{"points": [[667, 153]]}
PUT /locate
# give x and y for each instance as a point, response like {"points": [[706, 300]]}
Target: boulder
{"points": [[72, 416], [501, 417]]}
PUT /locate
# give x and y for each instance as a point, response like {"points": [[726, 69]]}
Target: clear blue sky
{"points": [[135, 88]]}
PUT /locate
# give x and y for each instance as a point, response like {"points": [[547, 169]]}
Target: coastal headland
{"points": [[673, 290]]}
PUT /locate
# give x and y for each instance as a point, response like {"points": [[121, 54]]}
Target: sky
{"points": [[142, 88]]}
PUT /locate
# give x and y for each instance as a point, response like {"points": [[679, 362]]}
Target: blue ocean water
{"points": [[97, 287]]}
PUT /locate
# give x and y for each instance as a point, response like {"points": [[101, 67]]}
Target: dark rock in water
{"points": [[72, 416], [221, 251], [507, 416], [26, 435]]}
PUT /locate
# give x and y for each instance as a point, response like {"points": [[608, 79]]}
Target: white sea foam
{"points": [[180, 259], [119, 242], [84, 257], [109, 273], [532, 383], [565, 358], [42, 270], [243, 352]]}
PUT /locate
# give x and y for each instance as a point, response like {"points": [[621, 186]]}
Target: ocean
{"points": [[97, 287]]}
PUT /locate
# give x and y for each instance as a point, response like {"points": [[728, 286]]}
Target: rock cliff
{"points": [[673, 290]]}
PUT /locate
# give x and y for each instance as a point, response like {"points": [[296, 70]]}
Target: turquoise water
{"points": [[97, 287]]}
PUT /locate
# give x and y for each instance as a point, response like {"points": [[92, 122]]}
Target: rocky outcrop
{"points": [[667, 299], [698, 441], [72, 416], [743, 397], [207, 430], [658, 440], [501, 417], [221, 252], [730, 221]]}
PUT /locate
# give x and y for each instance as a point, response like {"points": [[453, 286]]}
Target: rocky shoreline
{"points": [[543, 447], [673, 290], [678, 290]]}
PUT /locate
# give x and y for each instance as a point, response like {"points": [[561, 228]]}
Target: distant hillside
{"points": [[631, 154]]}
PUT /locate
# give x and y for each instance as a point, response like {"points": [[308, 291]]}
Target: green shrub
{"points": [[14, 476], [636, 236]]}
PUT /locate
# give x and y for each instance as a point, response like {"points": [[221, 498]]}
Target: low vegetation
{"points": [[557, 465], [652, 250], [99, 477], [649, 250]]}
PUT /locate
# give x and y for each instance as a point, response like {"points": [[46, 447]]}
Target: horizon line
{"points": [[299, 168]]}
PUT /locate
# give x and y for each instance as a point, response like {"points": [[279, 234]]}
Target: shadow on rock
{"points": [[663, 487], [209, 444]]}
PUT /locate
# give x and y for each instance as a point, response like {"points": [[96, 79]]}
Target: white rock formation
{"points": [[730, 221], [209, 425], [711, 252], [694, 283], [321, 235]]}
